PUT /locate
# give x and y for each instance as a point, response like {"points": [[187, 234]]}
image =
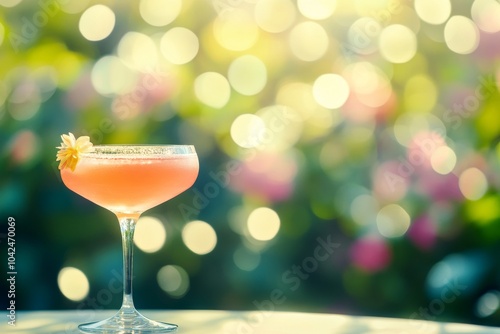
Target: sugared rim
{"points": [[139, 150]]}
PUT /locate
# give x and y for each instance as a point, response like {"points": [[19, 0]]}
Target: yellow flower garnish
{"points": [[70, 149]]}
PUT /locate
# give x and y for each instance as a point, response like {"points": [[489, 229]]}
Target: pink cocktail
{"points": [[129, 180]]}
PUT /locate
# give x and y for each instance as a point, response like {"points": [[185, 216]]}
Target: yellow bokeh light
{"points": [[247, 75], [179, 45], [2, 33], [486, 14], [473, 183], [364, 209], [246, 130], [317, 9], [174, 280], [97, 22], [236, 32], [111, 76], [331, 90], [199, 237], [150, 234], [263, 224], [483, 211], [308, 41], [433, 11], [409, 125], [9, 3], [397, 43], [138, 51], [212, 89], [74, 6], [420, 93], [443, 160], [160, 12], [274, 16], [461, 35], [393, 221], [73, 283]]}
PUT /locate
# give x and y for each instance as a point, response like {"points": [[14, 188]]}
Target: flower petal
{"points": [[70, 149]]}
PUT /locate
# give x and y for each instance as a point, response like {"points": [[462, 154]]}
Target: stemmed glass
{"points": [[128, 180]]}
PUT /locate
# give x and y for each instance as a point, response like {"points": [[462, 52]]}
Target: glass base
{"points": [[127, 323]]}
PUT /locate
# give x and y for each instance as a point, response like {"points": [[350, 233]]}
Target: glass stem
{"points": [[127, 227]]}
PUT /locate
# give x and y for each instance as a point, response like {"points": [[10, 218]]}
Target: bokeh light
{"points": [[74, 6], [397, 43], [443, 160], [473, 183], [2, 33], [174, 280], [179, 45], [370, 254], [308, 41], [9, 3], [24, 100], [275, 16], [138, 51], [247, 75], [363, 35], [199, 237], [73, 283], [390, 181], [412, 127], [150, 234], [485, 14], [331, 90], [246, 259], [267, 175], [246, 130], [111, 76], [317, 9], [369, 83], [488, 304], [461, 35], [97, 22], [213, 89], [364, 209], [24, 147], [160, 12], [263, 224], [433, 11], [393, 221], [236, 32]]}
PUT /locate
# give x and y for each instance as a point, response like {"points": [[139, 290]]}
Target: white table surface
{"points": [[235, 322]]}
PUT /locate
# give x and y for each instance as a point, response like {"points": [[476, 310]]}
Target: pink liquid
{"points": [[131, 185]]}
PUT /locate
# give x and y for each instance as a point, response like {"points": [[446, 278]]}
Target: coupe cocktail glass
{"points": [[128, 180]]}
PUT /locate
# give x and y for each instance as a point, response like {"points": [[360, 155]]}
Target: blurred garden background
{"points": [[348, 150]]}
